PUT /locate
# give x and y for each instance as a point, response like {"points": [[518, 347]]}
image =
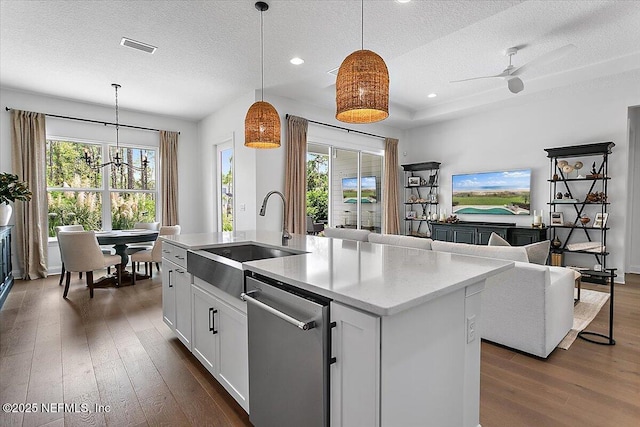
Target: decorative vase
{"points": [[5, 213], [556, 243]]}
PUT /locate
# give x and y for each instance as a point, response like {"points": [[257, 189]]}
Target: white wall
{"points": [[633, 235], [259, 171], [189, 150], [514, 137]]}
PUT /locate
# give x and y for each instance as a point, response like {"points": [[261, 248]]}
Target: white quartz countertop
{"points": [[380, 279]]}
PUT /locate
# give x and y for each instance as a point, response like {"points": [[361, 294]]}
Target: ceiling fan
{"points": [[511, 73]]}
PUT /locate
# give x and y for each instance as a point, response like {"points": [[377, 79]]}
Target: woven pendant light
{"points": [[262, 122], [362, 87]]}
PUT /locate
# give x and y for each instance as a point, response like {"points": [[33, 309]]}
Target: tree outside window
{"points": [[78, 194], [318, 187]]}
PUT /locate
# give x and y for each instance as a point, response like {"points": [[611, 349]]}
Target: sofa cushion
{"points": [[496, 240], [538, 252], [509, 253], [347, 233], [397, 240]]}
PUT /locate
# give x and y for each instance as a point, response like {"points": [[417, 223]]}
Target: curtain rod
{"points": [[95, 121], [341, 128]]}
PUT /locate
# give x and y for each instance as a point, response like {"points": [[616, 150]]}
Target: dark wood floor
{"points": [[115, 350]]}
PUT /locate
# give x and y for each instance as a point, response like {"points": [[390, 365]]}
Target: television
{"points": [[368, 190], [493, 193]]}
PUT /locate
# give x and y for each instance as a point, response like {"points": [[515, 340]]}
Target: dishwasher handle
{"points": [[305, 326]]}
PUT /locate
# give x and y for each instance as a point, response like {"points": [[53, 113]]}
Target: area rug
{"points": [[584, 312]]}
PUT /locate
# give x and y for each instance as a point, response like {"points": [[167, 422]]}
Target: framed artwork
{"points": [[557, 218], [413, 181], [411, 215], [601, 220]]}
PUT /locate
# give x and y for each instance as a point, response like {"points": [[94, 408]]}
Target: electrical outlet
{"points": [[471, 329]]}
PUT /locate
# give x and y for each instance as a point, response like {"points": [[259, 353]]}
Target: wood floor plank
{"points": [[116, 350], [117, 392]]}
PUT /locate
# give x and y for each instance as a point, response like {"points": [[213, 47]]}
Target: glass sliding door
{"points": [[345, 190], [317, 187], [371, 191]]}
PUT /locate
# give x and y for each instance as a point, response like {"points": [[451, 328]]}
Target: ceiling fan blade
{"points": [[547, 57], [515, 85], [503, 74]]}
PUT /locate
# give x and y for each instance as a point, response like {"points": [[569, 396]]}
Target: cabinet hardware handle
{"points": [[212, 320], [165, 251], [179, 257], [170, 285], [179, 271], [305, 326]]}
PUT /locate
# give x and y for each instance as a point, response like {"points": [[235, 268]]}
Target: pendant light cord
{"points": [[117, 122], [262, 55], [362, 25]]}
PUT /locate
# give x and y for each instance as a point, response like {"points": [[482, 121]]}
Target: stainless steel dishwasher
{"points": [[288, 355]]}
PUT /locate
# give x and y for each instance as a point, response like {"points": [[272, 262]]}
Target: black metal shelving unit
{"points": [[577, 190], [425, 194]]}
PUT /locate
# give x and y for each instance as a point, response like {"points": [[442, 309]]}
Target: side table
{"points": [[608, 275]]}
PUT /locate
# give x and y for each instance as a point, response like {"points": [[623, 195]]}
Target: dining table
{"points": [[120, 239]]}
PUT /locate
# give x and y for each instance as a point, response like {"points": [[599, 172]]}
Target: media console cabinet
{"points": [[477, 233]]}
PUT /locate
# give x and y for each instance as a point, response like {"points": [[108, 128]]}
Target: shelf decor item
{"points": [[11, 190], [413, 181], [601, 220], [557, 218]]}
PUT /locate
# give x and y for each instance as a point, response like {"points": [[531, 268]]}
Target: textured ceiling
{"points": [[209, 51]]}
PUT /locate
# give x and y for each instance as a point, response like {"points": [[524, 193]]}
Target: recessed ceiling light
{"points": [[297, 61], [431, 95], [137, 45], [403, 1]]}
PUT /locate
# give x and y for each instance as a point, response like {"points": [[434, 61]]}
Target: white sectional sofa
{"points": [[528, 308]]}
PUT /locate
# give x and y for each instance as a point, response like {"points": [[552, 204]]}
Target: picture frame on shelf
{"points": [[601, 220], [411, 215], [432, 180], [413, 181], [556, 218]]}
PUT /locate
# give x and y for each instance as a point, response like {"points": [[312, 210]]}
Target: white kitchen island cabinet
{"points": [[405, 338], [220, 339], [176, 292]]}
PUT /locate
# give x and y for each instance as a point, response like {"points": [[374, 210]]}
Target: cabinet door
{"points": [[521, 237], [233, 352], [355, 376], [441, 233], [182, 286], [485, 233], [169, 294], [464, 235], [204, 342]]}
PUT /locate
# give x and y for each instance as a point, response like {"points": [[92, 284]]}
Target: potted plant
{"points": [[11, 189]]}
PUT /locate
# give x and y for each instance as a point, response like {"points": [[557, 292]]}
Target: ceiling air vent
{"points": [[138, 45], [334, 71]]}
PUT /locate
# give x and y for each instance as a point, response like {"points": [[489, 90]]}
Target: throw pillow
{"points": [[496, 240], [538, 252]]}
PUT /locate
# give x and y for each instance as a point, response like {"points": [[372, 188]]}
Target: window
{"points": [[108, 197], [225, 186]]}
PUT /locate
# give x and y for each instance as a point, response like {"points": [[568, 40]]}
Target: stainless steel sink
{"points": [[249, 252], [221, 266]]}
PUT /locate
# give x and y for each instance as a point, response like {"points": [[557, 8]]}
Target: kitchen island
{"points": [[404, 340]]}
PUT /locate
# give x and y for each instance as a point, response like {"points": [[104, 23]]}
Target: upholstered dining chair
{"points": [[81, 253], [149, 256], [136, 247], [66, 228]]}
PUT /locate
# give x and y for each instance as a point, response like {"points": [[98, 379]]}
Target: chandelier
{"points": [[117, 160]]}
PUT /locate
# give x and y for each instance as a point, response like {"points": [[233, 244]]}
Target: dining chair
{"points": [[66, 228], [136, 247], [154, 254], [81, 253]]}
